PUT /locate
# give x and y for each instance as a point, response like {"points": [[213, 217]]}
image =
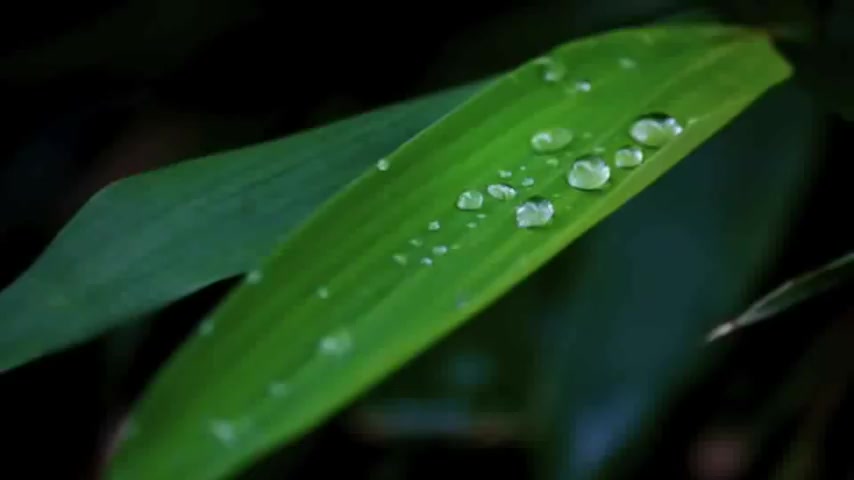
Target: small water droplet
{"points": [[552, 70], [383, 164], [598, 150], [627, 63], [434, 226], [583, 86], [522, 168], [278, 389], [501, 191], [470, 200], [481, 216], [552, 161], [336, 344], [323, 292], [224, 431], [206, 328], [416, 242], [551, 140], [589, 173], [427, 261], [399, 258], [527, 182], [505, 173], [455, 246], [472, 224], [655, 130], [536, 212], [628, 157], [440, 250], [254, 277]]}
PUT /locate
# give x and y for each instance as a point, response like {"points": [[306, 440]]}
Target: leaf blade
{"points": [[345, 250]]}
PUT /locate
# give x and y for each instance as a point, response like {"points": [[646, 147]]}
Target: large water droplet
{"points": [[589, 173], [278, 389], [536, 212], [655, 130], [552, 70], [336, 344], [551, 140], [628, 157], [434, 226], [383, 164], [254, 277], [528, 182], [440, 250], [470, 200]]}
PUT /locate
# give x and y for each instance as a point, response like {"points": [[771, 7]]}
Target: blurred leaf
{"points": [[333, 312], [150, 239], [797, 290]]}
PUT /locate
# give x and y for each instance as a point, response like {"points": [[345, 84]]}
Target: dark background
{"points": [[95, 91]]}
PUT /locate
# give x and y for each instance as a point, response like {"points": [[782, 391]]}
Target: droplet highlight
{"points": [[470, 200], [552, 161], [537, 212], [399, 259], [628, 157], [505, 173], [655, 130], [336, 344], [427, 261], [583, 86], [528, 182], [589, 173], [440, 250], [552, 71], [434, 226], [551, 140], [416, 242], [383, 164]]}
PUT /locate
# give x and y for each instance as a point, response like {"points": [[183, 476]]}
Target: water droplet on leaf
{"points": [[254, 277], [552, 161], [434, 226], [655, 130], [589, 173], [416, 242], [551, 140], [627, 63], [528, 182], [552, 70], [628, 157], [583, 86], [505, 173], [536, 212], [278, 389], [440, 250], [322, 292], [383, 164], [399, 258], [470, 200], [336, 344], [427, 261]]}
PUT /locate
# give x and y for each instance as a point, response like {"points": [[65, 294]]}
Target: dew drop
{"points": [[552, 70], [628, 157], [427, 261], [528, 182], [383, 164], [583, 86], [336, 344], [278, 389], [552, 161], [434, 226], [655, 130], [522, 168], [598, 150], [589, 173], [399, 258], [223, 431], [472, 224], [254, 277], [416, 242], [440, 250], [323, 293], [470, 200], [551, 140], [627, 63], [536, 212], [481, 216], [505, 173]]}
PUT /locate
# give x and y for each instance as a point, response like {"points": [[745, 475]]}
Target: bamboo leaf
{"points": [[392, 263]]}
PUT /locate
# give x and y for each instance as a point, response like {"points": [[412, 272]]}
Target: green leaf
{"points": [[333, 312], [151, 239], [795, 291]]}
